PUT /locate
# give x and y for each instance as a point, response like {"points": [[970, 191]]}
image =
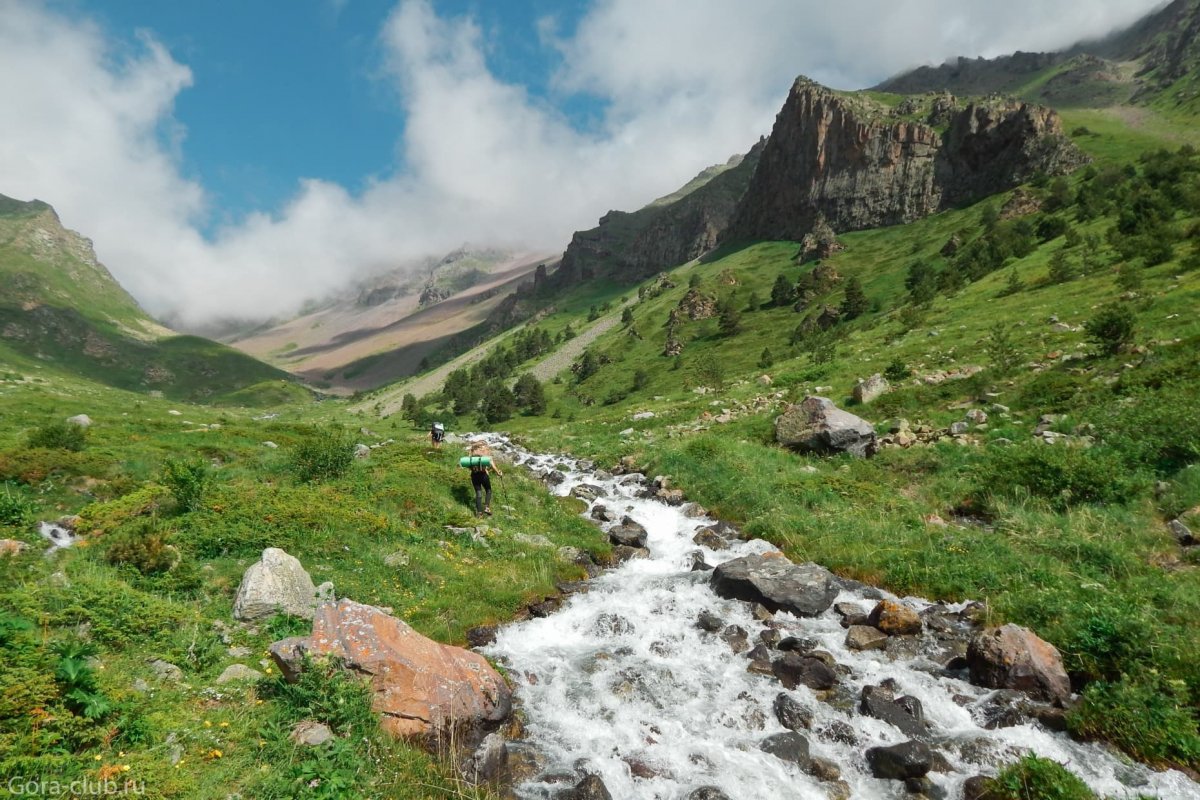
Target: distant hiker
{"points": [[479, 461], [437, 433]]}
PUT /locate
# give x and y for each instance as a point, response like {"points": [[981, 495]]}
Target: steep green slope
{"points": [[985, 308], [61, 307]]}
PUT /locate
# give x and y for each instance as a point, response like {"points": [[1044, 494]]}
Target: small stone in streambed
{"points": [[791, 714], [708, 621], [790, 747], [864, 637]]}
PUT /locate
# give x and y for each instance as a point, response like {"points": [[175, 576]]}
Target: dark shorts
{"points": [[481, 480]]}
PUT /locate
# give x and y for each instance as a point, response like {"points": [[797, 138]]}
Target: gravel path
{"points": [[563, 357]]}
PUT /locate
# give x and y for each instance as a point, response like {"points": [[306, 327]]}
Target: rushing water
{"points": [[621, 679]]}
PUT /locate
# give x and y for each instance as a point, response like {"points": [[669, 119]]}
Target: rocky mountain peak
{"points": [[861, 163]]}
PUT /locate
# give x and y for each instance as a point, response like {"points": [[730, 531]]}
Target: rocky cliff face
{"points": [[631, 246], [862, 165]]}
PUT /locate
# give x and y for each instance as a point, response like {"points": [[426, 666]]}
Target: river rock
{"points": [[705, 537], [628, 533], [737, 638], [708, 621], [487, 762], [865, 637], [790, 747], [602, 514], [622, 553], [724, 530], [790, 713], [900, 762], [276, 584], [805, 590], [1012, 657], [590, 788], [895, 619], [870, 389], [816, 425], [904, 713], [420, 688], [587, 492], [794, 670], [707, 793], [851, 614]]}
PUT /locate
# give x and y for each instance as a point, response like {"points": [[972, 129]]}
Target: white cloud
{"points": [[685, 84]]}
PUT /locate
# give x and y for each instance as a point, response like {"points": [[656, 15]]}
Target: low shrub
{"points": [[144, 547], [188, 481], [1034, 778], [59, 436], [1060, 475], [15, 509], [326, 454], [1157, 430], [1146, 718]]}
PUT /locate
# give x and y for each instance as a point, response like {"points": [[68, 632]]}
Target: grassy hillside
{"points": [[152, 579], [62, 308], [1069, 539]]}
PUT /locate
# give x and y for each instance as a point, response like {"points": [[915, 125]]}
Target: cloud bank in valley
{"points": [[90, 128]]}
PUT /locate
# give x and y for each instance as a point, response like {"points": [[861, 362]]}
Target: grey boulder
{"points": [[805, 590], [816, 425]]}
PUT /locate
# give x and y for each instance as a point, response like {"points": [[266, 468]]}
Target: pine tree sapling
{"points": [[1112, 329], [855, 303]]}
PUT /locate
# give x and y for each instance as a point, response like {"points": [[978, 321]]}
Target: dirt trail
{"points": [[563, 357]]}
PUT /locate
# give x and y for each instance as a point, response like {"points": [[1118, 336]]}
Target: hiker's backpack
{"points": [[475, 461]]}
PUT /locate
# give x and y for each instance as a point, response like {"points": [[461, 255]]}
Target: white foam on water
{"points": [[622, 674], [58, 536]]}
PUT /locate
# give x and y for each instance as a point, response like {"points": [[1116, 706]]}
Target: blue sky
{"points": [[238, 159], [278, 95]]}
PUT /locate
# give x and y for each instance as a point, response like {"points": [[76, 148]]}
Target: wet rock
{"points": [[590, 788], [488, 762], [824, 770], [816, 425], [737, 638], [794, 644], [420, 687], [545, 608], [900, 762], [697, 562], [903, 713], [838, 731], [1012, 657], [851, 614], [554, 477], [693, 510], [864, 637], [761, 612], [790, 713], [708, 793], [999, 710], [628, 533], [895, 619], [311, 733], [923, 787], [275, 584], [622, 553], [238, 672], [706, 538], [978, 787], [902, 647], [482, 635], [724, 530], [790, 747], [760, 660], [610, 624], [601, 513], [794, 670], [587, 492], [805, 590], [708, 621]]}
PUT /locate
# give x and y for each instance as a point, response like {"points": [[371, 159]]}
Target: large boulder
{"points": [[816, 425], [805, 590], [1012, 657], [422, 689], [628, 533], [276, 584], [903, 761], [895, 619]]}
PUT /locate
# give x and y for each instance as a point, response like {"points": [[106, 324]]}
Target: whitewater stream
{"points": [[623, 683]]}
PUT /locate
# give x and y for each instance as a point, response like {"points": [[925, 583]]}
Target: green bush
{"points": [[1061, 475], [144, 547], [58, 436], [1112, 328], [897, 371], [325, 454], [1146, 718], [15, 510], [1158, 430], [1034, 778], [187, 480]]}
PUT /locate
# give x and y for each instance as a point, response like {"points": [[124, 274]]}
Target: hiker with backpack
{"points": [[479, 461], [437, 433]]}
